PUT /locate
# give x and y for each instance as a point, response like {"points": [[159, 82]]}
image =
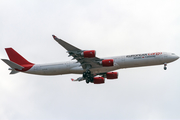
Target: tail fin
{"points": [[17, 62], [16, 57]]}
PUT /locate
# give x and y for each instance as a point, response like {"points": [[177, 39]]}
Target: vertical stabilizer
{"points": [[16, 57], [17, 62]]}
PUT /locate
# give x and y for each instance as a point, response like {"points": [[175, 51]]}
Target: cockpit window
{"points": [[173, 54]]}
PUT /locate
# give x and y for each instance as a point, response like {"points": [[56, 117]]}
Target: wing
{"points": [[66, 45], [76, 53]]}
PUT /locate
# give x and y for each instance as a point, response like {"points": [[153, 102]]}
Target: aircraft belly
{"points": [[103, 69], [77, 70], [57, 69]]}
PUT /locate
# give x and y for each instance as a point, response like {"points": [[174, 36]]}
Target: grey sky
{"points": [[112, 28]]}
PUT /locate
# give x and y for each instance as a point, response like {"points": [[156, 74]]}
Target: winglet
{"points": [[54, 37]]}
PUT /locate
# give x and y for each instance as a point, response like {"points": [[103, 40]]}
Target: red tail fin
{"points": [[16, 57]]}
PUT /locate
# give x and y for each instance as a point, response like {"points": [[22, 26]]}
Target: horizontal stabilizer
{"points": [[13, 71], [12, 64]]}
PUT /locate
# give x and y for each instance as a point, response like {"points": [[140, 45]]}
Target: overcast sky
{"points": [[112, 28]]}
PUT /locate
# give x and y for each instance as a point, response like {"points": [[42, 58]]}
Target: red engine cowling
{"points": [[98, 80], [89, 54], [107, 62], [112, 75]]}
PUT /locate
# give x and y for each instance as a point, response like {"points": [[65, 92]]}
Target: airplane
{"points": [[93, 69]]}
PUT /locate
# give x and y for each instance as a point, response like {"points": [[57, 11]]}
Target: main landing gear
{"points": [[165, 66], [88, 76]]}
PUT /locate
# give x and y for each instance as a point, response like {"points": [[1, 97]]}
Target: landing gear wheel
{"points": [[84, 74], [88, 72], [165, 68], [87, 81], [91, 79], [88, 76]]}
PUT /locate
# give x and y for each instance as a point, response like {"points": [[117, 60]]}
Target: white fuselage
{"points": [[120, 62]]}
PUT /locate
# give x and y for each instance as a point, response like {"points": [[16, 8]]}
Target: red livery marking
{"points": [[151, 54], [158, 53], [17, 58]]}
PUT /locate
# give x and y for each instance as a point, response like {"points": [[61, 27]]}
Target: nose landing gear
{"points": [[165, 66]]}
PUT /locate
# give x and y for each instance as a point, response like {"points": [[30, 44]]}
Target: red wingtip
{"points": [[72, 79], [54, 37]]}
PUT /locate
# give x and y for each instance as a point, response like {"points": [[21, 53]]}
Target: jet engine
{"points": [[107, 62], [111, 75], [98, 80], [89, 54]]}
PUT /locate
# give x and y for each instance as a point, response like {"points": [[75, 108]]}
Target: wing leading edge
{"points": [[86, 63], [66, 45]]}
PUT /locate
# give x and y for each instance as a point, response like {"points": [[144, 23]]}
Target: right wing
{"points": [[78, 79], [75, 52]]}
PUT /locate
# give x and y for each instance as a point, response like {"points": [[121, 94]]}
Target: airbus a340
{"points": [[92, 68]]}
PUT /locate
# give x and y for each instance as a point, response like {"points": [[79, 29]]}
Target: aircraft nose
{"points": [[173, 57], [177, 57]]}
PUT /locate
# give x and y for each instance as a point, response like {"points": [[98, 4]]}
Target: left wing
{"points": [[66, 45], [78, 54]]}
